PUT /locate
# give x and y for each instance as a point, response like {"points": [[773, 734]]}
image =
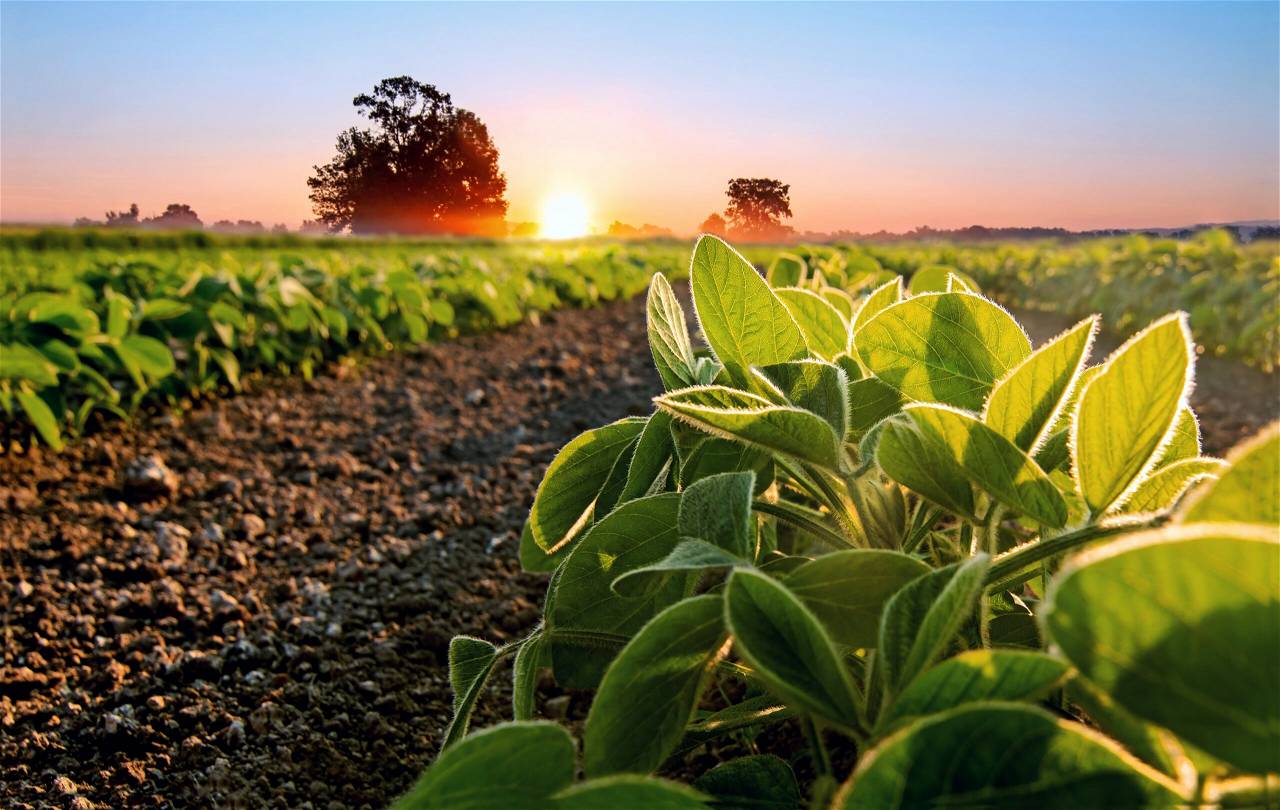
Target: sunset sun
{"points": [[564, 215]]}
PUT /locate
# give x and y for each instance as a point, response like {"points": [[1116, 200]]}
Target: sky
{"points": [[1081, 115]]}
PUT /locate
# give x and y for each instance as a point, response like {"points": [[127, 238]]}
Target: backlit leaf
{"points": [[825, 331], [943, 347], [1127, 410], [669, 335], [1188, 637], [1249, 491], [847, 590], [975, 675]]}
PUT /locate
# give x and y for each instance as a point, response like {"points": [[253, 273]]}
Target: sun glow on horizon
{"points": [[564, 215]]}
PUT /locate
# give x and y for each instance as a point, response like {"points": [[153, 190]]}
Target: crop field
{"points": [[591, 525]]}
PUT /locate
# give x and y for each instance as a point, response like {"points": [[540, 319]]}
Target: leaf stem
{"points": [[821, 759], [792, 514], [1009, 564]]}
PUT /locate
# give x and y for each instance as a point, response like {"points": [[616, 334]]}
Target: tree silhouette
{"points": [[176, 216], [714, 225], [756, 208], [123, 219], [425, 166]]}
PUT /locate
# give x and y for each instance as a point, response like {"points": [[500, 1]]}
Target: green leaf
{"points": [[1187, 638], [1127, 411], [787, 648], [513, 766], [943, 347], [563, 504], [651, 689], [1001, 755], [615, 481], [222, 312], [42, 418], [1249, 491], [629, 792], [870, 402], [151, 356], [825, 331], [163, 309], [847, 590], [760, 782], [669, 335], [743, 321], [636, 534], [530, 658], [922, 618], [119, 311], [534, 559], [975, 675], [688, 555], [470, 662], [1025, 403], [712, 455], [909, 457], [21, 362], [65, 313], [935, 278], [842, 301], [814, 385], [787, 270], [717, 509], [992, 462], [1154, 746], [1184, 442], [60, 354], [756, 422], [1162, 489], [881, 297], [652, 459]]}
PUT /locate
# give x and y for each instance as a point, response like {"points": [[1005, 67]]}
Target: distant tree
{"points": [[86, 222], [522, 230], [123, 219], [313, 226], [757, 206], [714, 224], [176, 216], [621, 230], [279, 229], [425, 166]]}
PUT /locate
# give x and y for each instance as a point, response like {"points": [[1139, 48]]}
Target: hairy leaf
{"points": [[1001, 755], [975, 675], [1026, 402], [992, 462], [651, 689], [787, 648], [744, 322], [847, 590], [1188, 641], [669, 335], [470, 662], [923, 465], [1127, 410], [825, 331], [1249, 491]]}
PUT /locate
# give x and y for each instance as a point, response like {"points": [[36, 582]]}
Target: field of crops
{"points": [[854, 541], [95, 324], [100, 323]]}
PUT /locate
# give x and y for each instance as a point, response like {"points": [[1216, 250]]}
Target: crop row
{"points": [[1228, 290], [92, 333], [997, 575]]}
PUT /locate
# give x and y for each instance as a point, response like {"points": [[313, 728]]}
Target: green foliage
{"points": [[96, 325], [876, 545]]}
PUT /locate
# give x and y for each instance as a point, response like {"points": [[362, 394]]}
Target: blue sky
{"points": [[887, 115]]}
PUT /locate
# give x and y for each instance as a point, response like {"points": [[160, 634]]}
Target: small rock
{"points": [[252, 526], [155, 703], [64, 786], [24, 589], [147, 478], [474, 397], [212, 533], [172, 541], [226, 606], [557, 708], [234, 735]]}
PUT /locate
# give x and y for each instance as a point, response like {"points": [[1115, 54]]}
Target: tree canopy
{"points": [[424, 166], [756, 208]]}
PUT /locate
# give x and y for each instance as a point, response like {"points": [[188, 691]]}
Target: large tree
{"points": [[424, 166], [756, 208]]}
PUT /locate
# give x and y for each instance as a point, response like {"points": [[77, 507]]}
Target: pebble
{"points": [[24, 589], [147, 477], [252, 526], [172, 541]]}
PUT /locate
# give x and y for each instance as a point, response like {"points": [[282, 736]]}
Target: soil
{"points": [[250, 604]]}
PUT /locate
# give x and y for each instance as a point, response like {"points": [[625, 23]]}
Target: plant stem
{"points": [[1009, 564], [792, 514], [821, 759], [837, 505]]}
